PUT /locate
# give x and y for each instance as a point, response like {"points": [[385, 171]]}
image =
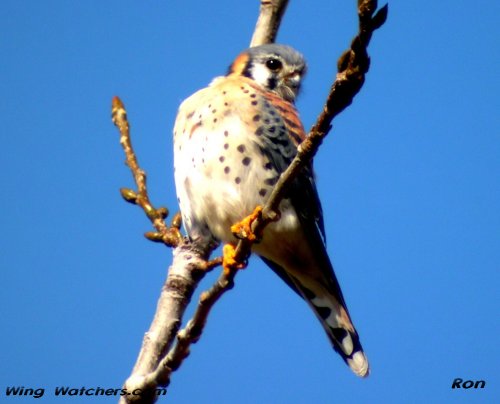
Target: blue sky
{"points": [[409, 180]]}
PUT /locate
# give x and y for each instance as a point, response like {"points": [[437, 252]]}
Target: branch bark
{"points": [[159, 356], [268, 23]]}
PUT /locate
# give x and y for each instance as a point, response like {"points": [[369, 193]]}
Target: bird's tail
{"points": [[334, 317], [321, 290]]}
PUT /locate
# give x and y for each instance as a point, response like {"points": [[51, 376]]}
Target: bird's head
{"points": [[277, 68]]}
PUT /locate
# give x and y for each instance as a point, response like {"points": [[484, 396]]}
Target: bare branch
{"points": [[169, 235], [152, 370], [268, 23], [194, 328]]}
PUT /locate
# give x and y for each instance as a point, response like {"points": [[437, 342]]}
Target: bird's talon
{"points": [[229, 262], [243, 229]]}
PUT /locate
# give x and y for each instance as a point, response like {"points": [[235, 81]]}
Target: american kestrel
{"points": [[232, 140]]}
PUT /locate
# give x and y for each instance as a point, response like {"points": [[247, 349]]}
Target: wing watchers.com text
{"points": [[61, 391]]}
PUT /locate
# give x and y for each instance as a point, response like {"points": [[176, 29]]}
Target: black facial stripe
{"points": [[247, 70], [271, 83]]}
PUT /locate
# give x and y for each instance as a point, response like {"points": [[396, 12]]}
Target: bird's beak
{"points": [[292, 80]]}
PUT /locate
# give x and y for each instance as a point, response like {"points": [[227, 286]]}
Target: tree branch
{"points": [[268, 23]]}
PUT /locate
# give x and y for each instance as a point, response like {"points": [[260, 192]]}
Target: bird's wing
{"points": [[315, 282]]}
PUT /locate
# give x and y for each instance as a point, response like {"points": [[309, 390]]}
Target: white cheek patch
{"points": [[261, 74]]}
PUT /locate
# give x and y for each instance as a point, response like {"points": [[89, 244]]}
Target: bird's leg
{"points": [[229, 261], [243, 229]]}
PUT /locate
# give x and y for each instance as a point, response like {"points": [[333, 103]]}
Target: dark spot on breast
{"points": [[227, 169], [262, 192], [246, 161], [259, 131], [271, 129], [214, 111], [267, 121], [215, 120], [241, 148], [268, 165], [237, 180], [254, 102], [256, 118], [253, 95], [226, 146], [221, 159], [190, 115], [226, 133]]}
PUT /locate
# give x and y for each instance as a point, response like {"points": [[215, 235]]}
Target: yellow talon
{"points": [[243, 229], [229, 262]]}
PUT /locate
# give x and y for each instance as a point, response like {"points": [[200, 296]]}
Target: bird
{"points": [[232, 141]]}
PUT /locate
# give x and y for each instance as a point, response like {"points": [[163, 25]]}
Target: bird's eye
{"points": [[274, 64]]}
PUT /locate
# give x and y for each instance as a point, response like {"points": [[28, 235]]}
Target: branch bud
{"points": [[129, 195]]}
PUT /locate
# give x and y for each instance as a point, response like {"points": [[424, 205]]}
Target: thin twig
{"points": [[169, 235]]}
